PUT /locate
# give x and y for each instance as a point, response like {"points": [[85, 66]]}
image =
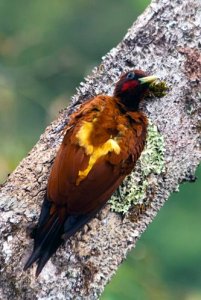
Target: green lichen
{"points": [[158, 88], [133, 190]]}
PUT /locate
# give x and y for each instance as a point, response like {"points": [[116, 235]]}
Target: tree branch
{"points": [[165, 40]]}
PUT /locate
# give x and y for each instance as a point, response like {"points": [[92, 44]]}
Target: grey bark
{"points": [[165, 40]]}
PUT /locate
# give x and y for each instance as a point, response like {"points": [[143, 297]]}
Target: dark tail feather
{"points": [[53, 246], [46, 242], [51, 233]]}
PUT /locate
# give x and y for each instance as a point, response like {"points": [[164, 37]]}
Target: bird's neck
{"points": [[129, 102]]}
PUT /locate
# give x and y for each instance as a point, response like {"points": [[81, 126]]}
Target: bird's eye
{"points": [[130, 75]]}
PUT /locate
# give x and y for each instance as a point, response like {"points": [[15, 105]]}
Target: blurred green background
{"points": [[46, 48]]}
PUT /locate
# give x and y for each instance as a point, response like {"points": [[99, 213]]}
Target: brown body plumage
{"points": [[103, 141]]}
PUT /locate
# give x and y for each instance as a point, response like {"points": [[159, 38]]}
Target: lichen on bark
{"points": [[134, 189]]}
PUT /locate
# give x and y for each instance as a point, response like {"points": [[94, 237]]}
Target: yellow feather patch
{"points": [[95, 153]]}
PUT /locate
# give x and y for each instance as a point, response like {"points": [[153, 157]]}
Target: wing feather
{"points": [[108, 171]]}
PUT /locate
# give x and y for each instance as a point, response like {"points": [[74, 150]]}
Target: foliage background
{"points": [[46, 48]]}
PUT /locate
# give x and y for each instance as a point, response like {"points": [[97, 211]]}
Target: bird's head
{"points": [[132, 87]]}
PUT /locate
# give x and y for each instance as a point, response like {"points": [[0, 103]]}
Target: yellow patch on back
{"points": [[95, 153]]}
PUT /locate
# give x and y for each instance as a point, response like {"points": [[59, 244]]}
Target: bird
{"points": [[103, 140]]}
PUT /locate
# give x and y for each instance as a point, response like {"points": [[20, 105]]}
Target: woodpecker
{"points": [[103, 140]]}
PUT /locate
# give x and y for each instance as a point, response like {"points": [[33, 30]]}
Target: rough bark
{"points": [[164, 40]]}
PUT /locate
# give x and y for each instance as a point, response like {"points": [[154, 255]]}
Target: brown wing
{"points": [[106, 174]]}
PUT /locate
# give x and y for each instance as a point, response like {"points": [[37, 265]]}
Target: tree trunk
{"points": [[165, 40]]}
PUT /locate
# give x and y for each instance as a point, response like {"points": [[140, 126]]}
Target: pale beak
{"points": [[148, 79]]}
